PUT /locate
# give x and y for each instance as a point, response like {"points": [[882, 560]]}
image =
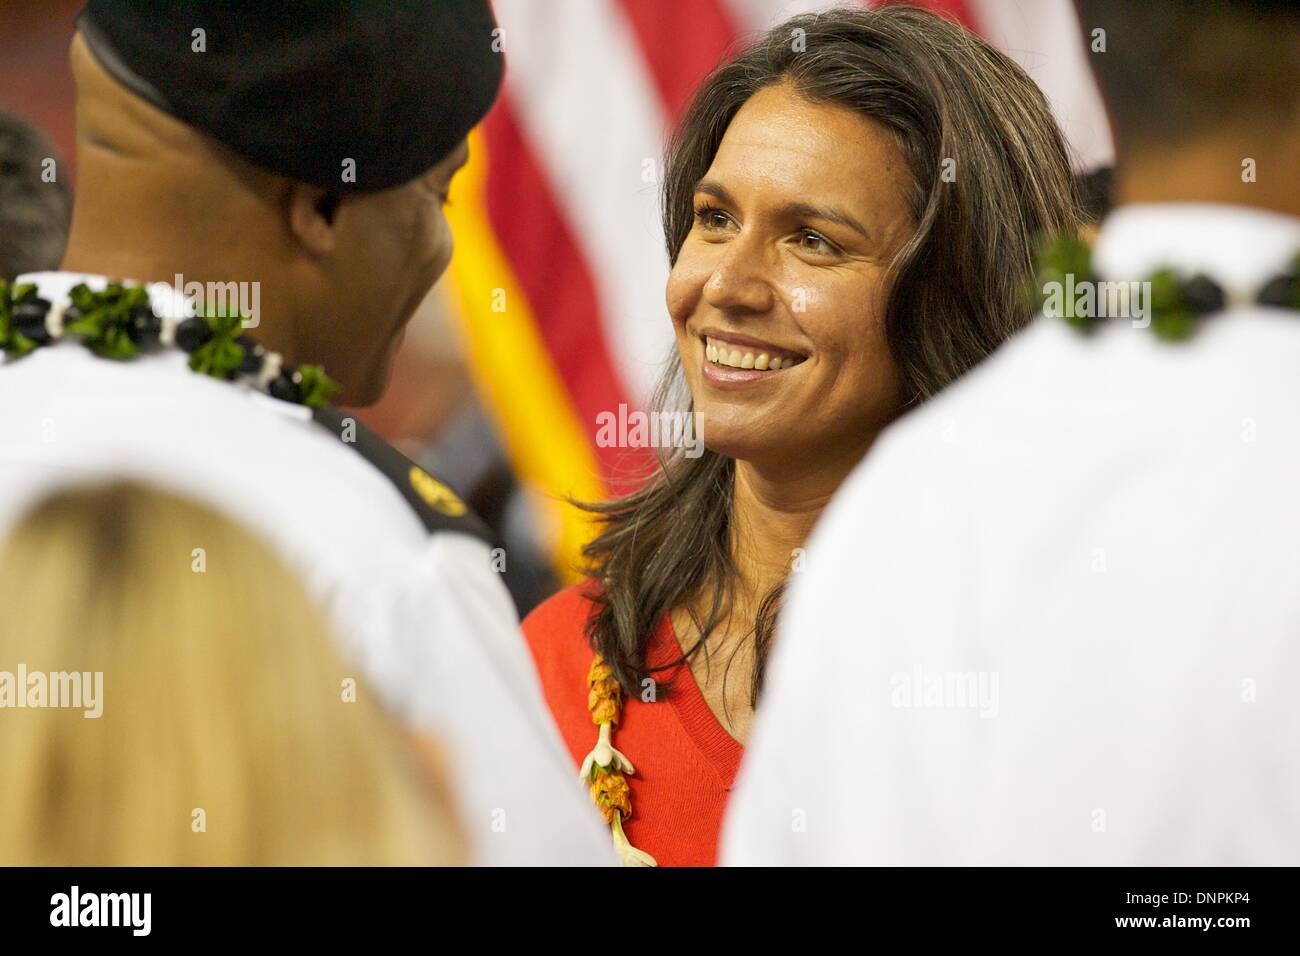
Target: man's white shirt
{"points": [[1054, 616], [424, 617]]}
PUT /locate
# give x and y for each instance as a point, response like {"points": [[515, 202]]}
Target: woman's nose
{"points": [[739, 281]]}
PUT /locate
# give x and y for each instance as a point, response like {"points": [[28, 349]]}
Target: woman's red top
{"points": [[685, 761]]}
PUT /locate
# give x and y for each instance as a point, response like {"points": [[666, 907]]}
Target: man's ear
{"points": [[313, 216]]}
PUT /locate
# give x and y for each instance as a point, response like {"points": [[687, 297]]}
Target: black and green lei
{"points": [[1177, 301], [119, 321]]}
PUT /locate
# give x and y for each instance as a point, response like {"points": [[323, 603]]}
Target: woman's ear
{"points": [[312, 217]]}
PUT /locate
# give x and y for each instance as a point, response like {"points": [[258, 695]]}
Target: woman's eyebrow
{"points": [[794, 210], [803, 210], [716, 190]]}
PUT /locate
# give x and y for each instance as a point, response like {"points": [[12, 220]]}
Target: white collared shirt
{"points": [[424, 616], [1054, 616]]}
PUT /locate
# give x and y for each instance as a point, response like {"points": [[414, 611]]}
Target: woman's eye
{"points": [[711, 218], [816, 243]]}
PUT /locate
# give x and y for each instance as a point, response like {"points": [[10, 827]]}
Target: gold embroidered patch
{"points": [[435, 494]]}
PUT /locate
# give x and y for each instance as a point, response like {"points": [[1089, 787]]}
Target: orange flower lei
{"points": [[605, 770]]}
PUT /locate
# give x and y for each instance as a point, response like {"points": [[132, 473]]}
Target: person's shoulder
{"points": [[556, 634], [1052, 410], [334, 492], [1050, 387], [921, 470], [434, 504], [563, 613], [556, 629], [1015, 376]]}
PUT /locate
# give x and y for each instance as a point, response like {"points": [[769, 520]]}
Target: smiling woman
{"points": [[850, 209], [797, 223]]}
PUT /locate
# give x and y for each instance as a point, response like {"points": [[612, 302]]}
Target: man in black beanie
{"points": [[307, 149], [259, 211]]}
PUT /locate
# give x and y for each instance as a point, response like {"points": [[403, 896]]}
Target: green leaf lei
{"points": [[222, 354], [1176, 301], [104, 324], [317, 387], [105, 320], [1065, 255], [13, 342], [1059, 257]]}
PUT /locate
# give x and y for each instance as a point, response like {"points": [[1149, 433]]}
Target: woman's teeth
{"points": [[722, 354]]}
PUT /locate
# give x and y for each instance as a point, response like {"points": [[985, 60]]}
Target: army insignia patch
{"points": [[435, 494], [434, 503]]}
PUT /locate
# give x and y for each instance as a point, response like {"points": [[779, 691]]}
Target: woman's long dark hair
{"points": [[990, 172]]}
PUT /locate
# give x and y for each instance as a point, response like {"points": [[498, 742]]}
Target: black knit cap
{"points": [[300, 86]]}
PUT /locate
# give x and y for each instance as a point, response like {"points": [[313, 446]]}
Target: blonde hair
{"points": [[225, 736]]}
